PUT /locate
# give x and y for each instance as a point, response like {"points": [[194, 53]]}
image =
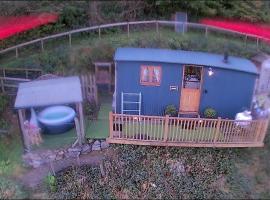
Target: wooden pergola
{"points": [[103, 72], [42, 93]]}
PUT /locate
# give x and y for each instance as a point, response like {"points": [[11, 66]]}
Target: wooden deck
{"points": [[186, 132]]}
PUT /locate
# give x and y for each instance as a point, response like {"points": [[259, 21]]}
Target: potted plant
{"points": [[210, 113], [171, 110]]}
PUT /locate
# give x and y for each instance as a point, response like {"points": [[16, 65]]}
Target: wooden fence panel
{"points": [[10, 85], [89, 87], [197, 132]]}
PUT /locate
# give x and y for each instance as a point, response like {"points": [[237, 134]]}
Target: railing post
{"points": [[128, 28], [258, 131], [206, 32], [166, 128], [99, 32], [69, 37], [16, 51], [111, 124], [42, 45], [264, 128], [157, 28], [217, 130], [257, 43]]}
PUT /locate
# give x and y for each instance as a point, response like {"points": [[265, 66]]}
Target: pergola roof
{"points": [[49, 92]]}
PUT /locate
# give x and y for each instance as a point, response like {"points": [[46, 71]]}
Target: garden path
{"points": [[34, 177]]}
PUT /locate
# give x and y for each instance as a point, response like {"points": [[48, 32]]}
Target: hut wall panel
{"points": [[154, 98], [227, 91]]}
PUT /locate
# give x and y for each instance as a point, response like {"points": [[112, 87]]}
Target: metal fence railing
{"points": [[155, 24]]}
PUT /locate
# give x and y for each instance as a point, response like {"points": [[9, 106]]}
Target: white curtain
{"points": [[156, 75], [145, 75]]}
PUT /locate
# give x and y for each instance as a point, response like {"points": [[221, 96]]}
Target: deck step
{"points": [[189, 114]]}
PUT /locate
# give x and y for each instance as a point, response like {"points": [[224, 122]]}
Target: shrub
{"points": [[73, 17], [91, 109], [51, 182], [171, 110], [4, 124], [210, 113]]}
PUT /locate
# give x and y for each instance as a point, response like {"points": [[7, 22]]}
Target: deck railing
{"points": [[190, 132]]}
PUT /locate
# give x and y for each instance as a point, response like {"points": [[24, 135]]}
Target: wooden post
{"points": [[245, 40], [78, 131], [111, 124], [99, 32], [206, 32], [258, 131], [264, 128], [166, 128], [128, 29], [2, 85], [25, 139], [257, 43], [42, 46], [26, 74], [157, 28], [217, 130], [81, 122], [69, 37], [16, 51]]}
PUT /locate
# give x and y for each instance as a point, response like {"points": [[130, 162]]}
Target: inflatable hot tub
{"points": [[56, 119]]}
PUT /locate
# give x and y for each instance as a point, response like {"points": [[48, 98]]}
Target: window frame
{"points": [[151, 74]]}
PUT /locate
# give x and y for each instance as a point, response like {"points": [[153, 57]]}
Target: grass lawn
{"points": [[10, 155], [100, 128]]}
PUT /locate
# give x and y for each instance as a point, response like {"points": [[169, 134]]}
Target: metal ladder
{"points": [[125, 102]]}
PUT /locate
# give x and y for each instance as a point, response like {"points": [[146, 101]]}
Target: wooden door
{"points": [[191, 89], [190, 100]]}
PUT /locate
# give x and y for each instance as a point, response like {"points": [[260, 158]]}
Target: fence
{"points": [[10, 79], [189, 132], [89, 87], [127, 25], [9, 85]]}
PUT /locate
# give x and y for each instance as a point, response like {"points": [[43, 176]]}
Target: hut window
{"points": [[150, 75]]}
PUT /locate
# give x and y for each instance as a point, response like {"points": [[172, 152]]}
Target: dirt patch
{"points": [[254, 171]]}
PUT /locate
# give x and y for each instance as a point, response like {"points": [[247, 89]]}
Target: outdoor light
{"points": [[210, 72]]}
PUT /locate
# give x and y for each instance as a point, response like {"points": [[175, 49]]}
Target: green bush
{"points": [[210, 113], [4, 124], [51, 182], [171, 110], [91, 109], [73, 17]]}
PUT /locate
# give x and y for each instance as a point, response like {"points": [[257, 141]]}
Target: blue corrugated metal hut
{"points": [[192, 81]]}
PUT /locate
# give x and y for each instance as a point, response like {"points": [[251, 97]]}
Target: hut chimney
{"points": [[226, 57]]}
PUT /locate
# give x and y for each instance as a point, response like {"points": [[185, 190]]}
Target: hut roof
{"points": [[185, 57], [49, 92]]}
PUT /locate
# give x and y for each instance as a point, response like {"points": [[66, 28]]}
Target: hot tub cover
{"points": [[49, 92]]}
